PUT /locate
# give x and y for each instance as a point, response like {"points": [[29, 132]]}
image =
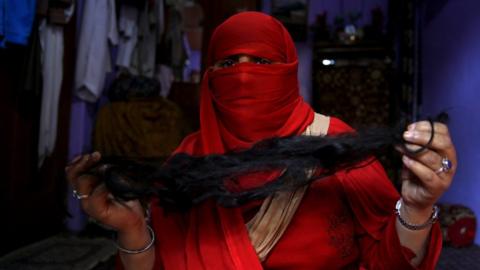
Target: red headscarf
{"points": [[240, 105], [248, 102]]}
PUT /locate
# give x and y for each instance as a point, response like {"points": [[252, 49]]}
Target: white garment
{"points": [[51, 42], [128, 29], [99, 26]]}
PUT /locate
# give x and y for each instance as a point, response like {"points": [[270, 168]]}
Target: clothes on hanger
{"points": [[143, 60], [140, 30], [98, 31], [52, 44], [128, 34], [52, 48]]}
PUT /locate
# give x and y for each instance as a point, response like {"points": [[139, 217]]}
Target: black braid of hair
{"points": [[186, 180]]}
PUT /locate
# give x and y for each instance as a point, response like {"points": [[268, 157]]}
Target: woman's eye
{"points": [[227, 63], [263, 61]]}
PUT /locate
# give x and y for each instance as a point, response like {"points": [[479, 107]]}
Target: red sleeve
{"points": [[387, 252], [372, 199]]}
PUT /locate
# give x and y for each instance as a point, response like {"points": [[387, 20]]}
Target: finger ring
{"points": [[78, 195], [446, 166]]}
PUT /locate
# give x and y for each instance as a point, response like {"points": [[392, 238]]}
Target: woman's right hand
{"points": [[127, 218], [124, 217]]}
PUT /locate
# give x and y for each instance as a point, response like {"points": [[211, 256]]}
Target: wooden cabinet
{"points": [[353, 82]]}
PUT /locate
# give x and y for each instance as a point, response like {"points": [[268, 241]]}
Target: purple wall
{"points": [[451, 80], [338, 7]]}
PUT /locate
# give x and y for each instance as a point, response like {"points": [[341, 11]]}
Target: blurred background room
{"points": [[122, 77]]}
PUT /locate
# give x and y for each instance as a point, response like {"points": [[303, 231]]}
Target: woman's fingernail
{"points": [[406, 160], [411, 127], [408, 134]]}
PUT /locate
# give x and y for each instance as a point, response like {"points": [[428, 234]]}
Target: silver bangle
{"points": [[415, 227], [137, 251]]}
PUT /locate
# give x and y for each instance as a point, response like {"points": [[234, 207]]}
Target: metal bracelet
{"points": [[137, 251], [415, 227]]}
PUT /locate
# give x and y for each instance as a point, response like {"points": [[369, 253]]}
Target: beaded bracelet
{"points": [[415, 227], [137, 251]]}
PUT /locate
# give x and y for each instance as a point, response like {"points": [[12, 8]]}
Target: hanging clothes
{"points": [[139, 34], [98, 28], [52, 46], [143, 60], [82, 116], [51, 40], [16, 21], [128, 34], [175, 53]]}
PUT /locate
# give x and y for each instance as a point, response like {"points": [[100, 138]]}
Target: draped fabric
{"points": [[344, 221]]}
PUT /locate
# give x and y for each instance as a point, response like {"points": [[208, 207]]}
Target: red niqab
{"points": [[248, 102]]}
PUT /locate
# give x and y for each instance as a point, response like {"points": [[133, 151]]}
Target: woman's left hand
{"points": [[424, 178]]}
